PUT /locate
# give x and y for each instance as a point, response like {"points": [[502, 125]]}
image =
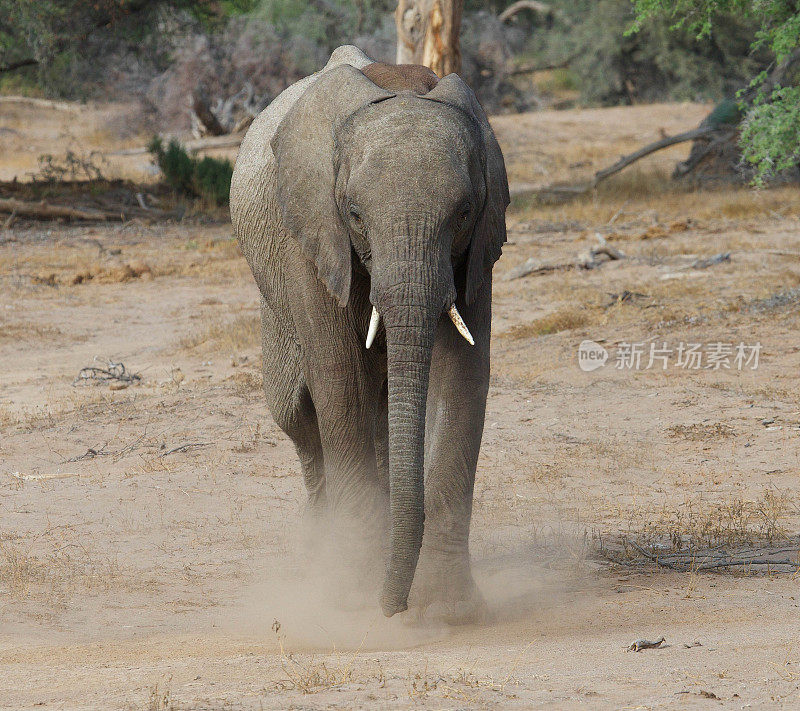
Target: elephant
{"points": [[369, 202]]}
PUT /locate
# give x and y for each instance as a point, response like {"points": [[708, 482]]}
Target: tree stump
{"points": [[428, 34]]}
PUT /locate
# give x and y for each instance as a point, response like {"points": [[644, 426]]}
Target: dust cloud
{"points": [[312, 601]]}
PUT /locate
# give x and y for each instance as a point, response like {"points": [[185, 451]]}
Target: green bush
{"points": [[770, 138], [212, 179], [209, 178]]}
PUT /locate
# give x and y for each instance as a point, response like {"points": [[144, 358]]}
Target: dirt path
{"points": [[138, 575]]}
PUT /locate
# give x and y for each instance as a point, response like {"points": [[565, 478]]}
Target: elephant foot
{"points": [[445, 593], [462, 612]]}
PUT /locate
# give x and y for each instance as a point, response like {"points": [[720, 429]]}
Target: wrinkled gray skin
{"points": [[346, 196]]}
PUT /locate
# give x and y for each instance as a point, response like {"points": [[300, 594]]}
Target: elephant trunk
{"points": [[411, 300], [409, 341]]}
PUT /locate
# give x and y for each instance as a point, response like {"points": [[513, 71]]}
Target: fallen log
{"points": [[41, 103], [534, 67], [29, 62], [586, 260], [710, 261], [45, 211], [640, 644], [229, 141]]}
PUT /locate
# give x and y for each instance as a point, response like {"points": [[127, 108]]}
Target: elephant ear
{"points": [[489, 233], [303, 146]]}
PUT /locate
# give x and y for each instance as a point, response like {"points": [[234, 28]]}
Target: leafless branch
{"points": [[665, 142], [29, 62]]}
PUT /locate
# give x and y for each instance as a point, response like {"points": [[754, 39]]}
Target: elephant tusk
{"points": [[374, 322], [458, 322]]}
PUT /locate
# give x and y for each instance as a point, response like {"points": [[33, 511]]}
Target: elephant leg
{"points": [[290, 403], [354, 541], [345, 392], [454, 427], [304, 432]]}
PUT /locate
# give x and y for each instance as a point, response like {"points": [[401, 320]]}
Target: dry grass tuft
{"points": [[27, 332], [308, 675], [62, 573], [247, 382], [699, 432], [243, 333], [564, 319], [160, 698], [650, 195]]}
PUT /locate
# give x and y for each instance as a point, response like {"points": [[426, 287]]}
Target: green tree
{"points": [[770, 129]]}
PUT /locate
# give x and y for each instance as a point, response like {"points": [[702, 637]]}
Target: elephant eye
{"points": [[464, 215], [355, 215]]}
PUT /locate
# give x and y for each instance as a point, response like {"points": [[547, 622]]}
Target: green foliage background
{"points": [[770, 137], [618, 51]]}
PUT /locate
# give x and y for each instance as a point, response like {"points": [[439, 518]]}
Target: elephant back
{"points": [[253, 186]]}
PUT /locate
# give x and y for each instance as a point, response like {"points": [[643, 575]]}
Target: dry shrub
{"points": [[564, 319], [699, 524]]}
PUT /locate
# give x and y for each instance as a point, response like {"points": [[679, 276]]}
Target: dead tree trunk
{"points": [[428, 33], [209, 124]]}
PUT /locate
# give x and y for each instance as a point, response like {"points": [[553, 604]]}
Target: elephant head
{"points": [[413, 188]]}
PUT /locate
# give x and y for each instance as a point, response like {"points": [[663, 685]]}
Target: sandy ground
{"points": [[140, 573]]}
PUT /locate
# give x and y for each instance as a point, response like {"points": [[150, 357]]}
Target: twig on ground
{"points": [[90, 453], [710, 261], [43, 476], [650, 556], [700, 561], [184, 447], [640, 644], [617, 213], [779, 252], [112, 371], [585, 260]]}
